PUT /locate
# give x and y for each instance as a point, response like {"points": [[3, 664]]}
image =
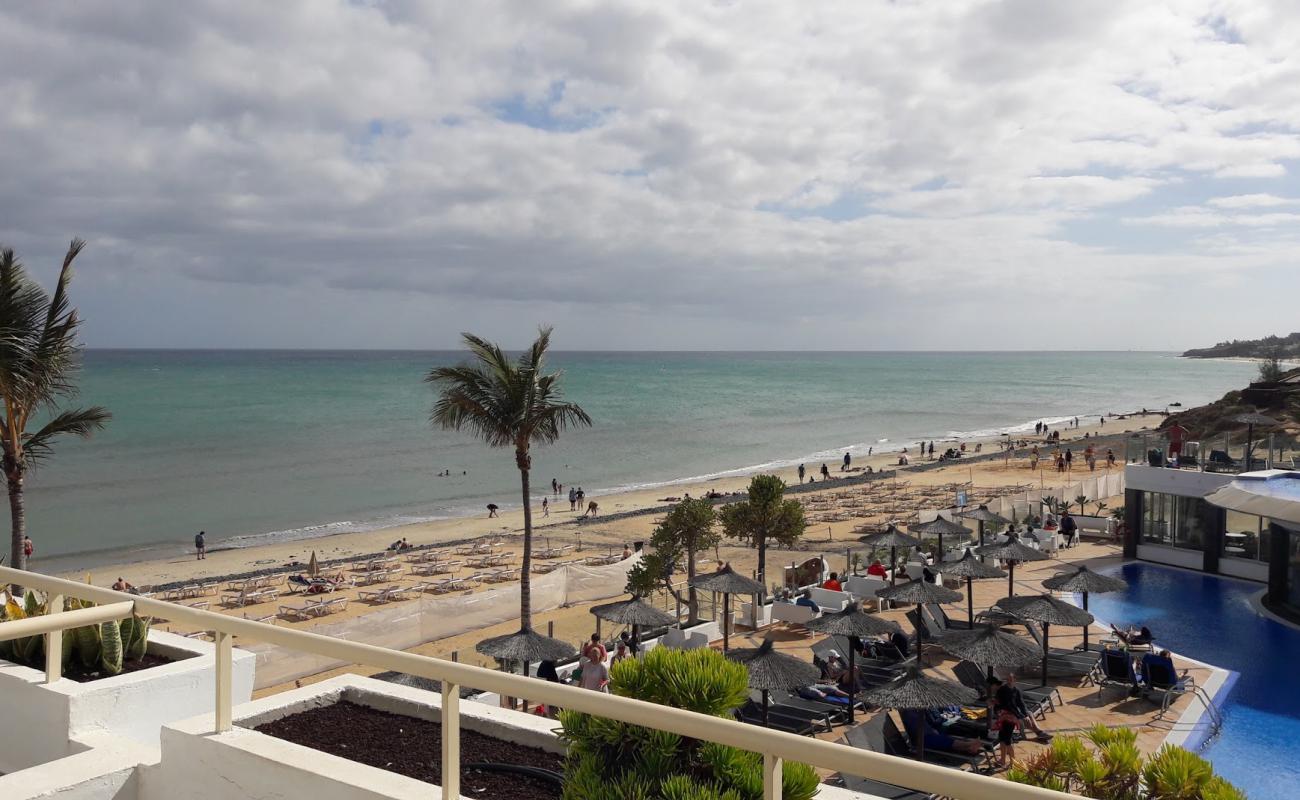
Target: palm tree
{"points": [[39, 357], [765, 515], [507, 404]]}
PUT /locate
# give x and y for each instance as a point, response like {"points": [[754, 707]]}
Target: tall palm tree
{"points": [[39, 358], [507, 404]]}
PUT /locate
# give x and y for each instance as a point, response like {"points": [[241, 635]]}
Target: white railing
{"points": [[775, 746]]}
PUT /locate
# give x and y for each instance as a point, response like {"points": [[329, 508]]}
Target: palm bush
{"points": [[1113, 769], [39, 357], [765, 515], [611, 760]]}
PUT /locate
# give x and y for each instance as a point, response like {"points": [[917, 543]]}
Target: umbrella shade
{"points": [[1254, 418], [852, 621], [313, 568], [971, 567], [1083, 581], [990, 646], [525, 645], [982, 514], [890, 537], [915, 689], [772, 669], [1045, 608], [633, 612], [918, 592], [726, 581], [1012, 550], [939, 527]]}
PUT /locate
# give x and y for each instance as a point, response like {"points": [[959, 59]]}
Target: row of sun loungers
{"points": [[314, 608]]}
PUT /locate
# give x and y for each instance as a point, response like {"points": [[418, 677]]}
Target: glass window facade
{"points": [[1293, 571], [1246, 536], [1173, 521]]}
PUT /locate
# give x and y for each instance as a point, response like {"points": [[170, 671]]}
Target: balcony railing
{"points": [[776, 747]]}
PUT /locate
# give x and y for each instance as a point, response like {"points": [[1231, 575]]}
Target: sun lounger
{"points": [[900, 744], [1115, 668], [940, 621], [298, 613], [870, 736], [543, 567], [1061, 661], [385, 595], [434, 567], [1037, 700], [790, 720]]}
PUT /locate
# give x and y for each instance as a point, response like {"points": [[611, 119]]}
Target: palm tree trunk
{"points": [[762, 564], [693, 601], [18, 519], [525, 576]]}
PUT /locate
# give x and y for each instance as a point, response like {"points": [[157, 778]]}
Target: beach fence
{"points": [[401, 626], [1096, 488]]}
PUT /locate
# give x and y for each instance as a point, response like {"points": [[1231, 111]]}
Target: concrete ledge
{"points": [[106, 769], [134, 705]]}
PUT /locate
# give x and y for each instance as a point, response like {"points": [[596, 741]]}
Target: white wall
{"points": [[1174, 556], [1182, 482], [1241, 568], [135, 705]]}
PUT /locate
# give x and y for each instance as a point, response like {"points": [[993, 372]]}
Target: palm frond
{"points": [[81, 422]]}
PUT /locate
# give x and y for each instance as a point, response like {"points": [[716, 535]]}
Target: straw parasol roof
{"points": [[525, 645], [915, 689], [939, 526], [852, 621], [771, 669], [1084, 581], [968, 566], [890, 537], [1012, 550], [1254, 418], [634, 611], [982, 514], [990, 646], [726, 581], [918, 592], [1045, 608]]}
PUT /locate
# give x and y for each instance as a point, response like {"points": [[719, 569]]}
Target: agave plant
{"points": [[102, 648], [613, 760]]}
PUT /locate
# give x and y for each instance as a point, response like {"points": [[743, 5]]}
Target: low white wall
{"points": [[199, 765], [135, 705], [1174, 556], [1182, 482], [1242, 568], [106, 769]]}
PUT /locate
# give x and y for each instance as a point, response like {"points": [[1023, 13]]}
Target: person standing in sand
{"points": [[201, 546], [573, 498], [847, 460], [546, 507], [802, 472], [826, 473]]}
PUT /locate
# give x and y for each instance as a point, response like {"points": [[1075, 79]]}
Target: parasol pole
{"points": [[1085, 627], [726, 620], [970, 603], [853, 682], [1046, 634]]}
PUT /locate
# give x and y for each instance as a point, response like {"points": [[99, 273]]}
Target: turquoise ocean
{"points": [[259, 446]]}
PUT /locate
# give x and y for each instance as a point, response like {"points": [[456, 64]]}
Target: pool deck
{"points": [[1082, 706]]}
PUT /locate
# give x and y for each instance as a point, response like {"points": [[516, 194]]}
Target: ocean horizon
{"points": [[258, 446]]}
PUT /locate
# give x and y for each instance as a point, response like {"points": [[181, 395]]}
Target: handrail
{"points": [[775, 746]]}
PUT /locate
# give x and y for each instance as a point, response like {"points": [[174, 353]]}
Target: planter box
{"points": [[54, 717], [199, 765], [106, 769]]}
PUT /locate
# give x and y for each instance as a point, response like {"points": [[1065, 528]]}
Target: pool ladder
{"points": [[1211, 710]]}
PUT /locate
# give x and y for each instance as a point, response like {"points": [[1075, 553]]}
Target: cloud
{"points": [[638, 166]]}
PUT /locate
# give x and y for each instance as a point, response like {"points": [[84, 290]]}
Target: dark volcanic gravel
{"points": [[78, 673], [413, 747]]}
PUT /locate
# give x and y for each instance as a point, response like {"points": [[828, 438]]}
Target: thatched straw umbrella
{"points": [[916, 690], [853, 622], [770, 669], [313, 568], [990, 646], [728, 582], [1085, 581], [1049, 611], [970, 568], [892, 538], [635, 612], [938, 527], [918, 592], [1250, 420], [983, 515], [527, 645], [1012, 552]]}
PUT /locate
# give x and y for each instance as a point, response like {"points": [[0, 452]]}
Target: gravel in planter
{"points": [[413, 747]]}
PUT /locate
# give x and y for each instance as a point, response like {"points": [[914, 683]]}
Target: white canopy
{"points": [[1270, 493]]}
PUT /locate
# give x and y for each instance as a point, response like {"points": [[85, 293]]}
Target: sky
{"points": [[950, 175]]}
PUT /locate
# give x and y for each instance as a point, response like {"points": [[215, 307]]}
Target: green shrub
{"points": [[1113, 769], [611, 760], [102, 648]]}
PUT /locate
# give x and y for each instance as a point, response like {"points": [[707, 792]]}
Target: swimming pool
{"points": [[1212, 619]]}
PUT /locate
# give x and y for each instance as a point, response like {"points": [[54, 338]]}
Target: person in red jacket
{"points": [[833, 583]]}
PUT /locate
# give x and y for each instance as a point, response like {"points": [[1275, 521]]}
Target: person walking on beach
{"points": [[546, 507], [555, 487], [28, 547], [492, 510], [847, 460], [826, 473], [931, 451], [581, 496], [802, 472], [201, 546], [573, 498]]}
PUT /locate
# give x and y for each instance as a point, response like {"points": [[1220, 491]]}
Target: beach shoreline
{"points": [[221, 562]]}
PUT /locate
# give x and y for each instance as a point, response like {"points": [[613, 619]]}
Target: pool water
{"points": [[1211, 619]]}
